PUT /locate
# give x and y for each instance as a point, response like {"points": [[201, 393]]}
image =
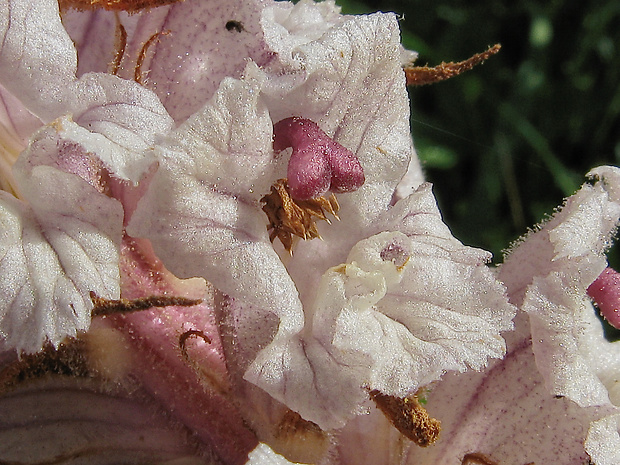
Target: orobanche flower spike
{"points": [[155, 152]]}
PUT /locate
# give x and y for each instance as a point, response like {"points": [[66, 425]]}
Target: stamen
{"points": [[605, 291], [318, 164], [121, 44], [289, 217], [409, 417], [138, 76], [186, 335], [108, 307], [421, 75]]}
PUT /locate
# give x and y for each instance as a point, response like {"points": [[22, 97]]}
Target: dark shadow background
{"points": [[506, 142]]}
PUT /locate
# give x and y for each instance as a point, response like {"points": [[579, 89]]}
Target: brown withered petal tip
{"points": [[409, 417], [422, 75]]}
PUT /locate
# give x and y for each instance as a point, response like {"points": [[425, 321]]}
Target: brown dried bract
{"points": [[66, 360], [130, 6], [421, 75], [289, 217], [409, 417], [108, 307]]}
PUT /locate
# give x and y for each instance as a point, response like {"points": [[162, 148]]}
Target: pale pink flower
{"points": [[120, 175]]}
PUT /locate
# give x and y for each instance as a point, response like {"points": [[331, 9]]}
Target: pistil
{"points": [[318, 164], [605, 291]]}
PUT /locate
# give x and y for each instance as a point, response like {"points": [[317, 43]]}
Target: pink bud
{"points": [[605, 291], [318, 163]]}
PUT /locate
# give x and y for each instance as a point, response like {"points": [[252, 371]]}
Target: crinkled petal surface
{"points": [[351, 84], [404, 309], [202, 212], [38, 66], [55, 251], [548, 274], [37, 57]]}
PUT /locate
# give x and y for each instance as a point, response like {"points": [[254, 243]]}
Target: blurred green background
{"points": [[506, 142]]}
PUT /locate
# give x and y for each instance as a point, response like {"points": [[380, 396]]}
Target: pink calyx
{"points": [[318, 163], [605, 291]]}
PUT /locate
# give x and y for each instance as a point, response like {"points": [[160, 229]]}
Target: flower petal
{"points": [[549, 273], [202, 212], [16, 126], [405, 308], [572, 242], [37, 57], [188, 65], [38, 66], [603, 440], [55, 252], [505, 413], [95, 37], [351, 84], [121, 114], [78, 419]]}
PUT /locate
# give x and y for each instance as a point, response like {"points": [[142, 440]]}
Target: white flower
{"points": [[362, 309], [61, 239], [554, 396]]}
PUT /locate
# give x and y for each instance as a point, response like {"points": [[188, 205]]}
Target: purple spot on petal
{"points": [[318, 163], [394, 253], [605, 291]]}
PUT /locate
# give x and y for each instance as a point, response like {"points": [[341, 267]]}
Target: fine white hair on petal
{"points": [[56, 250], [548, 273]]}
